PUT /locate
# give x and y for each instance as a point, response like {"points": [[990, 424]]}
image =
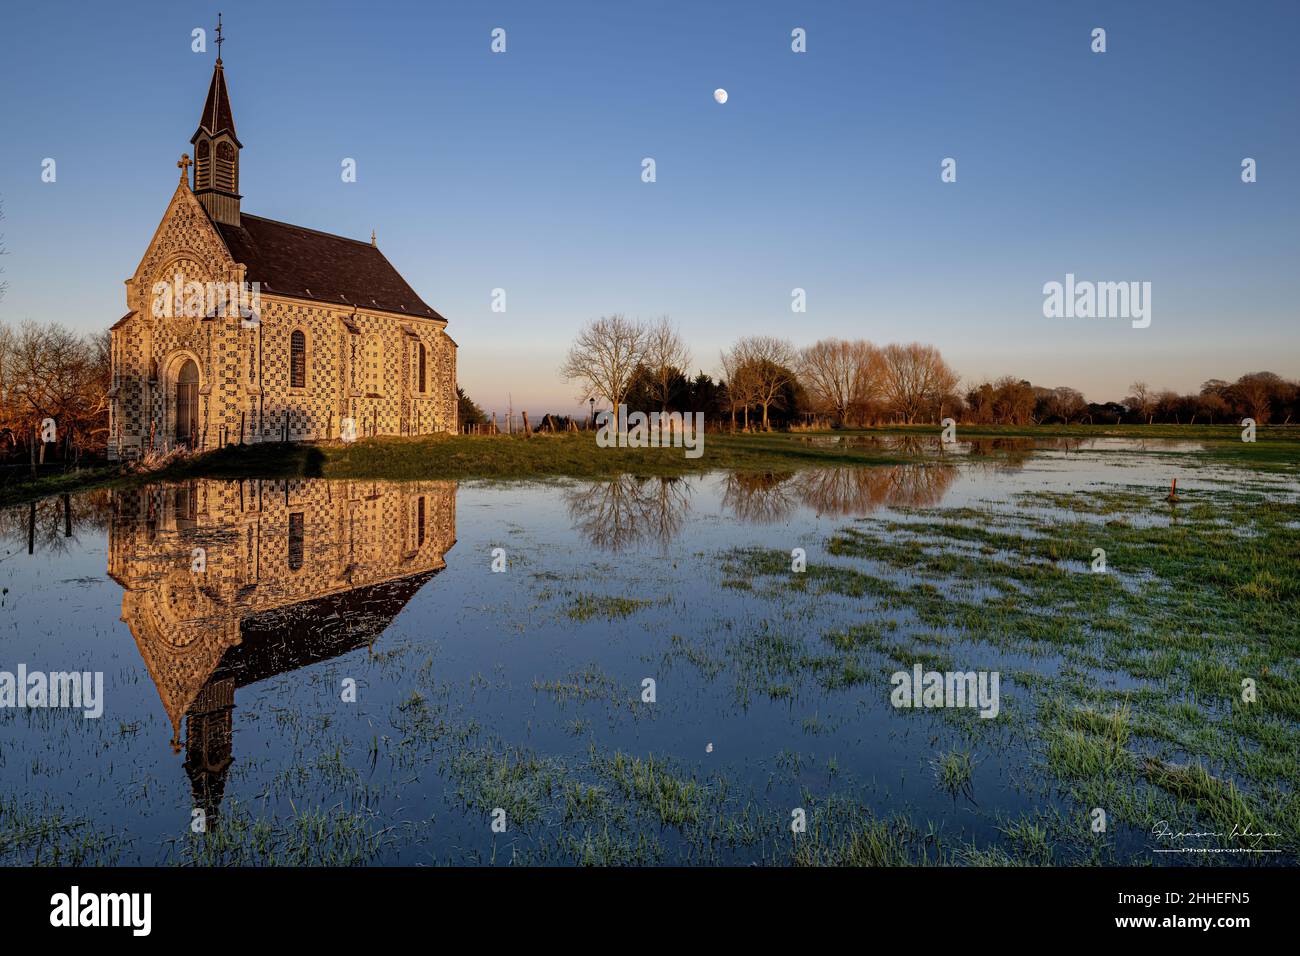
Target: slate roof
{"points": [[305, 264]]}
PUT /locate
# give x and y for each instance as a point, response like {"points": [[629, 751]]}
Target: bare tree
{"points": [[1066, 404], [1014, 401], [741, 385], [767, 363], [1143, 400], [49, 372], [841, 376], [604, 358], [1256, 391], [1212, 404], [916, 380], [666, 358]]}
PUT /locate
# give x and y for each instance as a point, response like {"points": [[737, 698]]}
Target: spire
{"points": [[216, 148], [217, 116], [372, 238]]}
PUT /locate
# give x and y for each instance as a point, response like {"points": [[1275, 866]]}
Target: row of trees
{"points": [[1263, 396], [847, 382], [49, 372], [767, 382], [1013, 401], [621, 361]]}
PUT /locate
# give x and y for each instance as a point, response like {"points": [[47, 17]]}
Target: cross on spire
{"points": [[220, 38], [184, 164]]}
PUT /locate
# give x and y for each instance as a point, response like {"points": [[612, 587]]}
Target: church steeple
{"points": [[216, 149]]}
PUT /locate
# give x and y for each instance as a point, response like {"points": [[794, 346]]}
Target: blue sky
{"points": [[522, 170]]}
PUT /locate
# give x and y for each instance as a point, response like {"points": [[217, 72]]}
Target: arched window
{"points": [[374, 365], [298, 360], [423, 380]]}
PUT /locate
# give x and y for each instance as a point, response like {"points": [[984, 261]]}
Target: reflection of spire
{"points": [[267, 603], [209, 743]]}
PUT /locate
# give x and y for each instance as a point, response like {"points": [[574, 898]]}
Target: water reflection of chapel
{"points": [[228, 583]]}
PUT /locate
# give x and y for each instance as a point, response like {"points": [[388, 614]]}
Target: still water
{"points": [[277, 649]]}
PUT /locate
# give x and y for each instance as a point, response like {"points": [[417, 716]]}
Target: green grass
{"points": [[677, 800], [1218, 800], [309, 836], [1131, 684], [955, 771], [585, 607], [1197, 600], [1264, 433], [576, 455], [843, 833], [22, 487], [45, 835]]}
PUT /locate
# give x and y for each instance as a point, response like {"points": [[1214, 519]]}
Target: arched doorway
{"points": [[187, 403]]}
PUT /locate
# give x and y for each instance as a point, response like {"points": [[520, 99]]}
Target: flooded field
{"points": [[646, 670]]}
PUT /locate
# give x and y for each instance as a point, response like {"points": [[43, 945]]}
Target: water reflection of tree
{"points": [[847, 491], [627, 510], [760, 498], [768, 498], [1010, 454], [53, 525], [916, 446]]}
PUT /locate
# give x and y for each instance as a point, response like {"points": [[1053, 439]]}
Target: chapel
{"points": [[242, 329]]}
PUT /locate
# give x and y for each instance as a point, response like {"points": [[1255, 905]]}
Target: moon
{"points": [[720, 95]]}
